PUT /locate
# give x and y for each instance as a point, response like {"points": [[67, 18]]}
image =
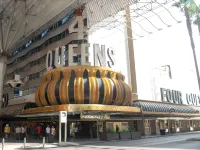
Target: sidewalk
{"points": [[172, 134], [11, 145]]}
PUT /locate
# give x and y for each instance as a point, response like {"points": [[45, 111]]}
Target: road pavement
{"points": [[175, 142]]}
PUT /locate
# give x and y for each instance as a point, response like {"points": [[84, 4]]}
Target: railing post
{"points": [[43, 142], [3, 140], [25, 142]]}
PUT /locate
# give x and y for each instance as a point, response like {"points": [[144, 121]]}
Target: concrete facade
{"points": [[33, 65]]}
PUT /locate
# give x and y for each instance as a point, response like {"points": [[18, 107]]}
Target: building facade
{"points": [[58, 75], [29, 60]]}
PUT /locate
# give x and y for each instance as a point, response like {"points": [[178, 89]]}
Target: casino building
{"points": [[57, 76]]}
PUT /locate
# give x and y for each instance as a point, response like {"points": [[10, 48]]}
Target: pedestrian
{"points": [[7, 131], [38, 132], [53, 132], [117, 128], [100, 131], [73, 132], [18, 132], [23, 134], [48, 132]]}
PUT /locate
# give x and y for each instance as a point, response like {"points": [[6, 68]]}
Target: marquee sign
{"points": [[173, 96], [95, 117]]}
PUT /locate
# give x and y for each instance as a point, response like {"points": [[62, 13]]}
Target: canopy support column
{"points": [[130, 55]]}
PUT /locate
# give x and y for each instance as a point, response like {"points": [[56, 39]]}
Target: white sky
{"points": [[197, 2], [171, 46]]}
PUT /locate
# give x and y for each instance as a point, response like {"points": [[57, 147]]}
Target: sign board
{"points": [[63, 116], [78, 54], [95, 117], [178, 97], [16, 91]]}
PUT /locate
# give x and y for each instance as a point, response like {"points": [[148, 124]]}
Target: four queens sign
{"points": [[174, 96]]}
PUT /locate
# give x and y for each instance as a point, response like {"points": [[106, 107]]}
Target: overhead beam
{"points": [[131, 56], [9, 25], [1, 36]]}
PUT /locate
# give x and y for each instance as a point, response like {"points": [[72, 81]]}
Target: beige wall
{"points": [[22, 99], [41, 41], [184, 126], [36, 68]]}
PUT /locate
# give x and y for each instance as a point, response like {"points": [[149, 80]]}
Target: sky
{"points": [[170, 46]]}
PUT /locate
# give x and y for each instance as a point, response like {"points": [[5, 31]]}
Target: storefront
{"points": [[171, 117]]}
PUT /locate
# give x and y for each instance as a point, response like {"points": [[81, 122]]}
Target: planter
{"points": [[109, 136], [135, 135], [162, 132], [118, 136], [125, 135], [112, 136]]}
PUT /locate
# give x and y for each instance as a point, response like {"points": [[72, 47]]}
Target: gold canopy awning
{"points": [[83, 107], [17, 109]]}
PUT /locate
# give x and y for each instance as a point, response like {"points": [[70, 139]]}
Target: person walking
{"points": [[18, 132], [23, 134], [53, 133], [38, 132], [48, 132], [117, 128], [7, 131], [100, 131], [73, 132]]}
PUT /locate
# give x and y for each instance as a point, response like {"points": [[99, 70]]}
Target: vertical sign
{"points": [[62, 120], [63, 116]]}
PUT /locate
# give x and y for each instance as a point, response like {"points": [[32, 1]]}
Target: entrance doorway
{"points": [[85, 129]]}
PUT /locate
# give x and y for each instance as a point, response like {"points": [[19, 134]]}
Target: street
{"points": [[175, 142], [160, 143], [170, 142]]}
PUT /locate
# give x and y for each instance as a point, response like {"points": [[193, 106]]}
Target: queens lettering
{"points": [[100, 56], [78, 54], [111, 53]]}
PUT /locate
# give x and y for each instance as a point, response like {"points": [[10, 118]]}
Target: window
{"points": [[86, 50], [147, 123], [51, 28], [32, 89], [42, 72], [25, 92], [44, 33], [75, 59], [59, 36], [15, 53], [86, 59], [65, 19], [46, 43], [59, 23], [27, 44], [38, 37]]}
